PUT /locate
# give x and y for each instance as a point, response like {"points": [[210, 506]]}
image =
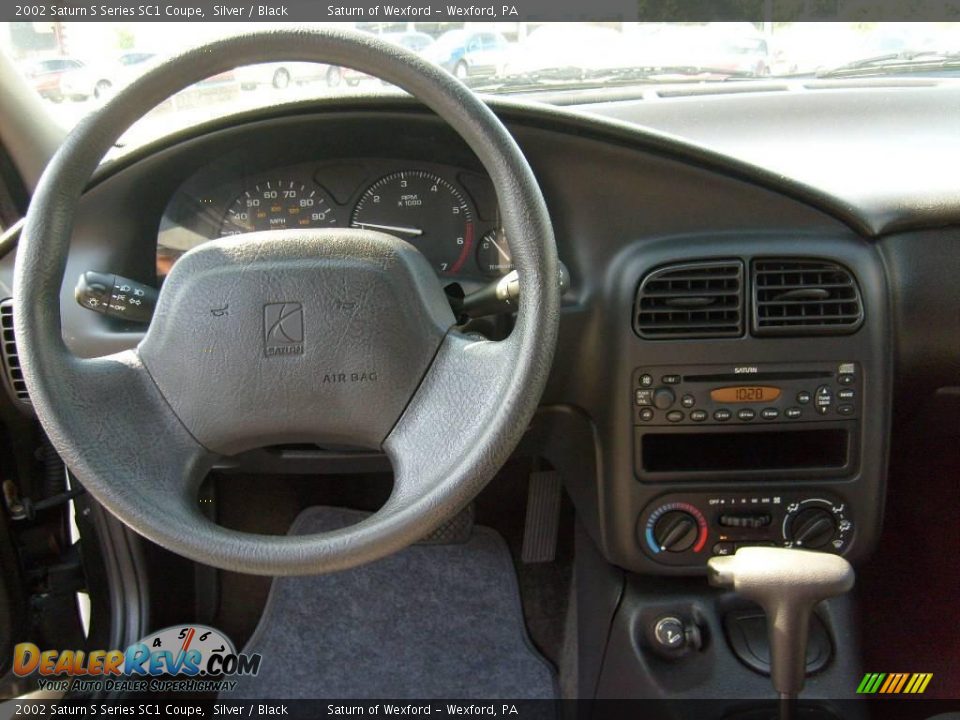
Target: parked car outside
{"points": [[469, 53], [103, 78], [45, 75], [282, 75]]}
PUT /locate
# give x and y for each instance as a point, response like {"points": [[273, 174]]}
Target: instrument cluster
{"points": [[448, 213]]}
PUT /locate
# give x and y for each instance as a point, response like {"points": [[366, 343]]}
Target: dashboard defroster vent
{"points": [[804, 297], [11, 360], [691, 300]]}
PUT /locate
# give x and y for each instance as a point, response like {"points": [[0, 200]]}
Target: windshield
{"points": [[76, 66]]}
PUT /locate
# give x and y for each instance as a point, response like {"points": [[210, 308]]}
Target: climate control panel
{"points": [[686, 529], [746, 394]]}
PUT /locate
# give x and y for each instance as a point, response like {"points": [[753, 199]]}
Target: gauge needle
{"points": [[412, 231], [500, 249]]}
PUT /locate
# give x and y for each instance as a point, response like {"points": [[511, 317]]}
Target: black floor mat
{"points": [[432, 621]]}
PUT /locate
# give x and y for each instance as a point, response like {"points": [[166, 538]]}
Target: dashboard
{"points": [[448, 213], [739, 348], [673, 445]]}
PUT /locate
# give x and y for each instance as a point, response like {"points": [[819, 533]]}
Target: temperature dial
{"points": [[676, 531], [675, 528]]}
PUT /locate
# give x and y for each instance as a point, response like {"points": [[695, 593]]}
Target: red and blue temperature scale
{"points": [[684, 507]]}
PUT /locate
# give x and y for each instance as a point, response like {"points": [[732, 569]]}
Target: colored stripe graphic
{"points": [[872, 683], [901, 683], [891, 680], [894, 683]]}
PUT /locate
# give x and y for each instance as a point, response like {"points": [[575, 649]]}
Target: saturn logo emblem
{"points": [[283, 328]]}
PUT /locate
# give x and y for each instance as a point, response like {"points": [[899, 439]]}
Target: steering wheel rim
{"points": [[141, 444]]}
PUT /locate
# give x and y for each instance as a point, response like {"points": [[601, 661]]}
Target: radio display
{"points": [[745, 394]]}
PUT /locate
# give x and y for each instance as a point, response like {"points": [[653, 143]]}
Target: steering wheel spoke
{"points": [[450, 419], [121, 438]]}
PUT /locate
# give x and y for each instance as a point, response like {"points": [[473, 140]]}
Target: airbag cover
{"points": [[295, 336]]}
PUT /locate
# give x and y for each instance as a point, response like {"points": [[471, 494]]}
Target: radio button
{"points": [[845, 410], [663, 398], [823, 399], [769, 413], [846, 394], [688, 401], [645, 380], [846, 379], [722, 415], [670, 379], [746, 414], [698, 415], [803, 397], [646, 414], [644, 397], [674, 416], [792, 413]]}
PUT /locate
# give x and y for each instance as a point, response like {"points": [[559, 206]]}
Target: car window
{"points": [[518, 58]]}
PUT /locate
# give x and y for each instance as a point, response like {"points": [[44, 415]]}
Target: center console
{"points": [[759, 422], [753, 397], [744, 401]]}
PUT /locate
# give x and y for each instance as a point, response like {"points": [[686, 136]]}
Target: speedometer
{"points": [[277, 205], [425, 210]]}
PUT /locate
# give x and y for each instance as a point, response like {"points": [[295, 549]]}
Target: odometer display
{"points": [[423, 209], [745, 394], [277, 205]]}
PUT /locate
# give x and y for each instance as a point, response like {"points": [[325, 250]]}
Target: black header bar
{"points": [[479, 10]]}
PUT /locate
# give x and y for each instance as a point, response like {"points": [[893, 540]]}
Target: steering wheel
{"points": [[338, 335]]}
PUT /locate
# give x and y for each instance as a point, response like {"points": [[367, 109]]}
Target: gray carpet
{"points": [[432, 621]]}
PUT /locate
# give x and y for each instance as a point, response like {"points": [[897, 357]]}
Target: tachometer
{"points": [[277, 205], [423, 209]]}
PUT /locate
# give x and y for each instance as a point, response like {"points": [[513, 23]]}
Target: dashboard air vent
{"points": [[804, 297], [691, 300], [11, 360]]}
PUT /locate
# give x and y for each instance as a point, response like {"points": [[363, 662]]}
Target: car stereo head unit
{"points": [[746, 394], [739, 422]]}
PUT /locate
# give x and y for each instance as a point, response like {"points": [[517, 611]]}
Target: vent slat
{"points": [[688, 293], [838, 310], [813, 318], [674, 311], [11, 360], [691, 300], [808, 303], [693, 326], [796, 285], [700, 278]]}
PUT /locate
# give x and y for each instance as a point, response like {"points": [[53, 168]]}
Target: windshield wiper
{"points": [[576, 77], [909, 61]]}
